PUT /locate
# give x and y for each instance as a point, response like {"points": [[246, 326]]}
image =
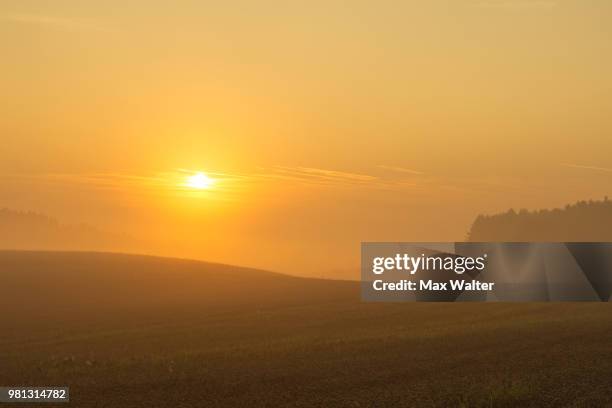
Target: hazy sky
{"points": [[324, 123]]}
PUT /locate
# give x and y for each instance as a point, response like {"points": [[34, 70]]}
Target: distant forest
{"points": [[584, 221]]}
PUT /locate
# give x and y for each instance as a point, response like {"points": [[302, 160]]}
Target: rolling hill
{"points": [[136, 331], [77, 285]]}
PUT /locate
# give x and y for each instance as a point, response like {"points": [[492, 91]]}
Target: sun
{"points": [[199, 181]]}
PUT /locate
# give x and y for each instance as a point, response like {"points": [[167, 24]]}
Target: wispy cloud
{"points": [[323, 176], [516, 4], [225, 182], [595, 168], [56, 22], [93, 180], [229, 186], [400, 169]]}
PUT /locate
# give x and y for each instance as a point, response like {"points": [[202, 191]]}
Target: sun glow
{"points": [[199, 181]]}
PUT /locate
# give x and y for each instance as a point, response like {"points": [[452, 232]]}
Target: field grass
{"points": [[131, 331]]}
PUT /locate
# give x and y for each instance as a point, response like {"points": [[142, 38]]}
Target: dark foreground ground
{"points": [[129, 331]]}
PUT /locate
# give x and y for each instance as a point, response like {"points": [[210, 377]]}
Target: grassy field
{"points": [[131, 331]]}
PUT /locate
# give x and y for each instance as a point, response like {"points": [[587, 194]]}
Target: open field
{"points": [[131, 331]]}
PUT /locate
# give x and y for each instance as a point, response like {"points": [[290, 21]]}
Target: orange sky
{"points": [[323, 123]]}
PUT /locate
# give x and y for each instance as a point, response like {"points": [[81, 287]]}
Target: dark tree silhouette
{"points": [[584, 221]]}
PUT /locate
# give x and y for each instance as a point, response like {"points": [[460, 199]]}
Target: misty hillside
{"points": [[111, 283], [30, 230], [584, 221]]}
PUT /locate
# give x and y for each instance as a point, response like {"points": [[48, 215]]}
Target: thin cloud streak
{"points": [[95, 180], [579, 166], [516, 4], [333, 176], [57, 22], [229, 186], [224, 182], [400, 169]]}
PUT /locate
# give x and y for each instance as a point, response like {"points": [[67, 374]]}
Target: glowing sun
{"points": [[199, 181]]}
